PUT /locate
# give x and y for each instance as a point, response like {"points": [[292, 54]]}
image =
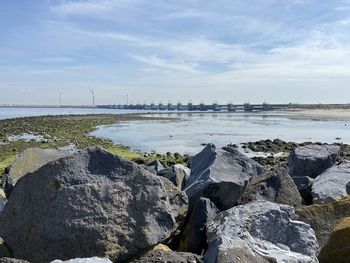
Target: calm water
{"points": [[187, 132], [7, 113]]}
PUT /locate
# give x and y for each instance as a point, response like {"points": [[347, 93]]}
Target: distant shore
{"points": [[321, 114]]}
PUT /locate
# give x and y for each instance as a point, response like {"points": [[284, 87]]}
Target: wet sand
{"points": [[322, 114]]}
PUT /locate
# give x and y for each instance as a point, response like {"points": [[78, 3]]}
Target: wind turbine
{"points": [[93, 97], [60, 96]]}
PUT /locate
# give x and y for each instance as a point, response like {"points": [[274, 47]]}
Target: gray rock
{"points": [[304, 184], [232, 250], [29, 161], [161, 256], [176, 174], [154, 167], [220, 175], [179, 168], [4, 249], [274, 186], [331, 185], [84, 260], [260, 230], [3, 199], [90, 204], [194, 238], [312, 160], [12, 260], [178, 201]]}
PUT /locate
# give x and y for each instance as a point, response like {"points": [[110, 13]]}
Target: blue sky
{"points": [[198, 50]]}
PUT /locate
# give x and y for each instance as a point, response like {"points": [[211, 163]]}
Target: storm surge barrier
{"points": [[199, 107]]}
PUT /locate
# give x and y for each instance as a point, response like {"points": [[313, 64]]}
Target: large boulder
{"points": [[160, 256], [312, 160], [29, 161], [275, 186], [323, 218], [337, 249], [220, 175], [331, 184], [84, 260], [194, 238], [90, 204], [260, 230]]}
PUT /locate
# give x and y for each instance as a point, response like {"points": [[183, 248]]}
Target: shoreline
{"points": [[66, 130], [320, 114]]}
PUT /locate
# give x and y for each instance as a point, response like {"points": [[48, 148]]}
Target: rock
{"points": [[181, 169], [348, 188], [90, 204], [323, 218], [176, 174], [260, 230], [275, 186], [154, 167], [29, 161], [4, 250], [12, 260], [220, 175], [337, 249], [194, 238], [161, 247], [160, 256], [232, 250], [178, 201], [84, 260], [304, 184], [312, 160], [3, 199], [331, 184]]}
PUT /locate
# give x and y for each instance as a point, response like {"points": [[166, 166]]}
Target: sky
{"points": [[278, 51]]}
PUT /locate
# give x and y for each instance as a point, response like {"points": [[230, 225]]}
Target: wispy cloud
{"points": [[89, 7], [163, 63], [54, 60]]}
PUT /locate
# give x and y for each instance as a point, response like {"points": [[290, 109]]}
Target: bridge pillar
{"points": [[153, 107], [179, 106], [248, 107], [170, 106], [231, 107], [266, 106]]}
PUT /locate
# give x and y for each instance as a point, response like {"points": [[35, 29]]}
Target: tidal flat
{"points": [[71, 131]]}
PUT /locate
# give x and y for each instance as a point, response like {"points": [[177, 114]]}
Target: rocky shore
{"points": [[93, 206]]}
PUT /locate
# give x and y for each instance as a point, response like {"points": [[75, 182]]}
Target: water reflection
{"points": [[191, 130]]}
